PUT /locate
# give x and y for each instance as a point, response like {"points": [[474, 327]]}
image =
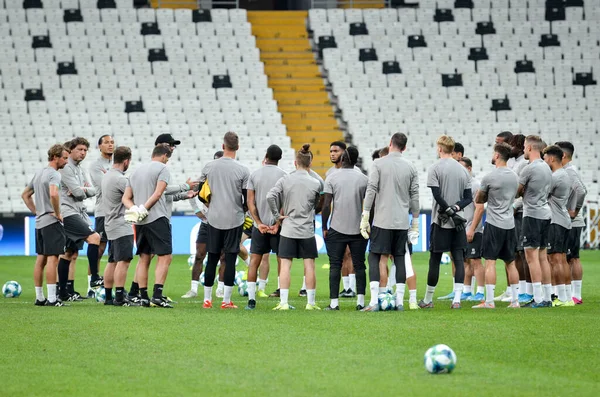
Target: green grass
{"points": [[89, 348]]}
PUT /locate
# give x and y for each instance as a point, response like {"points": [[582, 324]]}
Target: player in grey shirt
{"points": [[297, 196], [473, 265], [49, 233], [228, 180], [75, 189], [264, 240], [146, 207], [118, 231], [534, 186], [395, 182], [558, 234], [574, 206], [498, 189], [106, 145], [346, 189], [450, 184]]}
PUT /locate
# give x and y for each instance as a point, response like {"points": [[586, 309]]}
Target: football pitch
{"points": [[87, 348]]}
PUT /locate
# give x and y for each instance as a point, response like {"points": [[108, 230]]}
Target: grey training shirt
{"points": [[395, 182], [452, 179], [40, 184], [348, 188], [537, 178], [113, 187], [518, 166], [261, 182], [97, 171], [333, 170], [73, 181], [470, 209], [227, 178], [143, 184], [559, 196], [501, 187], [577, 195], [297, 194]]}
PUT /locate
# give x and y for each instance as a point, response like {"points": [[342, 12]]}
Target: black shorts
{"points": [[202, 237], [264, 243], [338, 244], [574, 243], [499, 243], [121, 249], [519, 230], [300, 248], [154, 238], [50, 240], [535, 232], [446, 240], [558, 238], [77, 231], [226, 241], [474, 247], [248, 231], [388, 241], [99, 228]]}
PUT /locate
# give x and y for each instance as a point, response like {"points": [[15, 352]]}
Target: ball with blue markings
{"points": [[386, 301], [11, 289], [440, 359]]}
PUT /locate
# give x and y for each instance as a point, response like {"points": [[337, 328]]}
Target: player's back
{"points": [[576, 186], [300, 193], [113, 186], [226, 178], [559, 196], [348, 188], [262, 181], [143, 184], [501, 185], [537, 179], [40, 184], [452, 180], [469, 210]]}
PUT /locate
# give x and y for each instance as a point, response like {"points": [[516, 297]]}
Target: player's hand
{"points": [[59, 217], [192, 184], [275, 228], [143, 213], [365, 227], [325, 232], [191, 194], [87, 184], [459, 222], [262, 228], [248, 222], [450, 211], [470, 235], [413, 232], [201, 216], [132, 214]]}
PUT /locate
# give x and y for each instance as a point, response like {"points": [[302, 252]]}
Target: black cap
{"points": [[166, 138]]}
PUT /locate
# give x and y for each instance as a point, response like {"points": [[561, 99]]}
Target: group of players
{"points": [[533, 223]]}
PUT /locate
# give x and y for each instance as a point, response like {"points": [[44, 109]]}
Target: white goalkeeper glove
{"points": [[142, 213], [413, 232], [365, 228], [132, 214]]}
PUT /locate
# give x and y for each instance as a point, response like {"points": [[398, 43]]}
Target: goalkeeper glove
{"points": [[365, 228], [142, 213], [413, 232], [248, 222], [459, 222], [132, 214]]}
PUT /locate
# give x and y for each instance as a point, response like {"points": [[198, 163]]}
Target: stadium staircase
{"points": [[297, 83]]}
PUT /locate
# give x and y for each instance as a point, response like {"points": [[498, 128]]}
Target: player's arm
{"points": [[127, 198], [245, 199], [414, 205], [580, 193], [252, 208], [27, 197], [466, 200], [96, 173], [372, 188], [326, 212], [88, 188], [274, 199], [55, 200], [69, 180], [161, 186]]}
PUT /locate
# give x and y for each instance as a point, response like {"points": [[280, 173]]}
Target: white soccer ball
{"points": [[240, 277], [11, 289], [386, 301], [191, 261], [101, 295], [445, 259], [440, 359], [243, 288]]}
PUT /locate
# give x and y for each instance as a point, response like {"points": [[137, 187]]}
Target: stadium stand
{"points": [[73, 69], [467, 68]]}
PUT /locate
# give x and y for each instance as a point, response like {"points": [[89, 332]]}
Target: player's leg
{"points": [[122, 255], [358, 247], [244, 254], [439, 242], [263, 274], [284, 283], [276, 293], [109, 275], [467, 290], [450, 296], [459, 263], [479, 273], [411, 278], [231, 249], [93, 241], [346, 268], [575, 263], [141, 275], [307, 250], [374, 276], [51, 265], [336, 245], [260, 246], [490, 285], [38, 279], [398, 250], [64, 270]]}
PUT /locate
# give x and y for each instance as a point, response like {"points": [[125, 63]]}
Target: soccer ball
{"points": [[440, 359], [101, 295], [243, 288], [240, 277], [445, 259], [11, 289], [191, 261], [386, 301]]}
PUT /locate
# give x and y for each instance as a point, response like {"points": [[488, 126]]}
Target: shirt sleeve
{"points": [[245, 178], [414, 204], [204, 173], [30, 184], [250, 185], [328, 186], [54, 179], [273, 198], [485, 184], [164, 175], [524, 176], [69, 179], [432, 177]]}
